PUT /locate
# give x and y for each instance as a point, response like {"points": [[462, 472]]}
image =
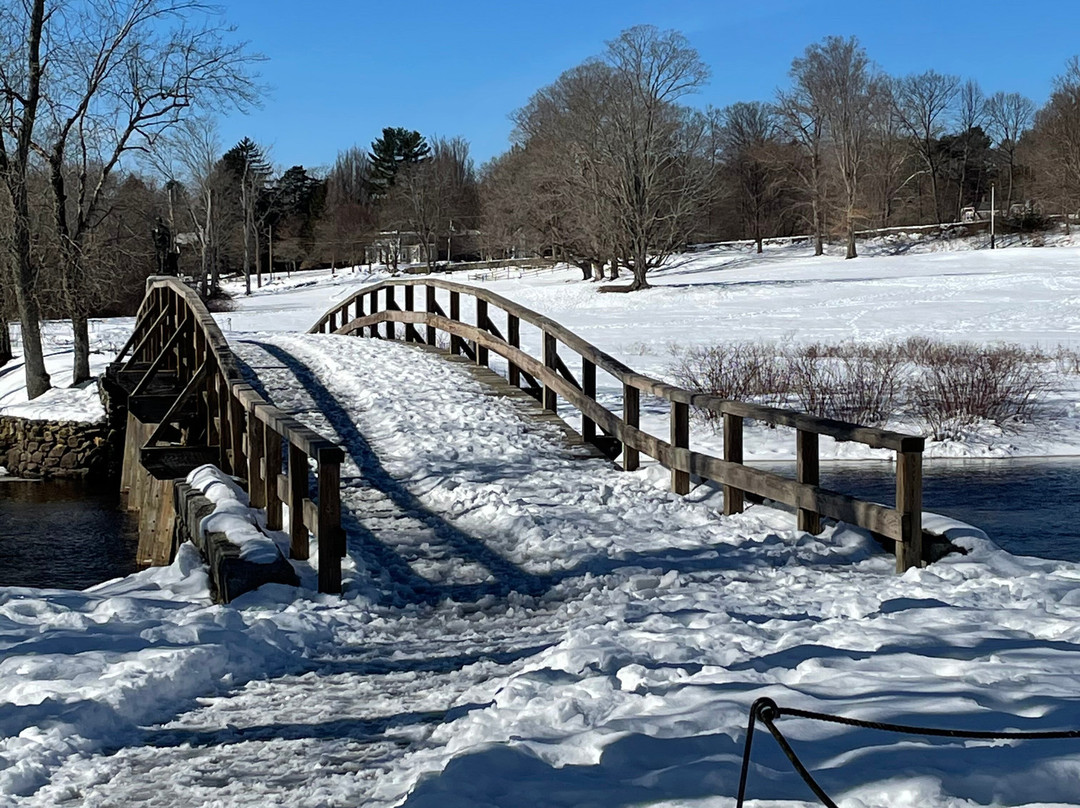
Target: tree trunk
{"points": [[641, 266], [851, 253], [81, 327], [37, 379], [614, 276], [598, 270], [258, 259], [5, 341]]}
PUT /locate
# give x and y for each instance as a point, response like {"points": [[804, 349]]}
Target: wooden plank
{"points": [[456, 344], [186, 394], [631, 417], [588, 389], [331, 539], [255, 463], [270, 476], [298, 490], [733, 453], [680, 441], [513, 338], [432, 307], [172, 462], [159, 361], [482, 324], [909, 550], [390, 305], [877, 518], [551, 356], [807, 470]]}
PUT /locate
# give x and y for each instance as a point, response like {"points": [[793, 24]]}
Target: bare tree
{"points": [[1009, 115], [1054, 144], [349, 217], [747, 145], [189, 154], [652, 143], [971, 113], [924, 103], [802, 119], [120, 73], [841, 80], [21, 31]]}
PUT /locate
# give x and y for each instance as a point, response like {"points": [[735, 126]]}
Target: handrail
{"points": [[250, 433], [549, 378]]}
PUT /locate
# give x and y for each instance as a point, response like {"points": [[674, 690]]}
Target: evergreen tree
{"points": [[397, 147]]}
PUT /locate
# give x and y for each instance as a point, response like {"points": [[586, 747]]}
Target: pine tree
{"points": [[397, 147], [249, 168]]}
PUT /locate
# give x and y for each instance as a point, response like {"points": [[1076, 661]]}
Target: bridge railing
{"points": [[417, 304], [217, 417]]}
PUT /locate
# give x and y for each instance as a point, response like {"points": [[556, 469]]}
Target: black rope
{"points": [[767, 712]]}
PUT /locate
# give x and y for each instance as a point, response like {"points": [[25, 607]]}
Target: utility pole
{"points": [[270, 247], [991, 216]]}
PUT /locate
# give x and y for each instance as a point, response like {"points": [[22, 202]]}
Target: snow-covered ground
{"points": [[525, 628]]}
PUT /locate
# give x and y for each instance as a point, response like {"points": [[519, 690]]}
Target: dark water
{"points": [[63, 535], [1028, 507]]}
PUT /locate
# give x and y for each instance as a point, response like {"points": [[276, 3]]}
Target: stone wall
{"points": [[44, 449]]}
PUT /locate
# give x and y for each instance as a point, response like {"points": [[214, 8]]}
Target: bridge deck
{"points": [[399, 540]]}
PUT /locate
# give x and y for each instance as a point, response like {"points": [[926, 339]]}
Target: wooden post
{"points": [[909, 550], [807, 470], [455, 315], [588, 387], [409, 302], [391, 326], [680, 444], [373, 308], [331, 322], [237, 427], [482, 324], [632, 418], [513, 337], [331, 539], [298, 490], [733, 453], [271, 472], [224, 436], [551, 398], [431, 305], [255, 461]]}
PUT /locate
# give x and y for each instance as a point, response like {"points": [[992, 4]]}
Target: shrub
{"points": [[968, 383], [951, 386]]}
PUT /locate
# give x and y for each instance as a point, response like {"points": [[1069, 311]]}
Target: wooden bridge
{"points": [[188, 405]]}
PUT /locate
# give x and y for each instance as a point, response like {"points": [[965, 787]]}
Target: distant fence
{"points": [[378, 311]]}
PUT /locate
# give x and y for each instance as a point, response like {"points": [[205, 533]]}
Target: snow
{"points": [[522, 627], [232, 515]]}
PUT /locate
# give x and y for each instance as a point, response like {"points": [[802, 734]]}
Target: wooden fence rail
{"points": [[209, 414], [549, 377]]}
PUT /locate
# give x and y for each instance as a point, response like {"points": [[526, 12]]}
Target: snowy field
{"points": [[523, 628]]}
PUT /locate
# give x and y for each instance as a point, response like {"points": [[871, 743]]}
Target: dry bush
{"points": [[849, 382], [967, 384], [740, 371], [949, 385]]}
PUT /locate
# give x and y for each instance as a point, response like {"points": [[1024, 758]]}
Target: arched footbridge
{"points": [[192, 400]]}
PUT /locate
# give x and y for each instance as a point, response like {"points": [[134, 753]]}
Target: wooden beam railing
{"points": [[272, 452], [551, 380]]}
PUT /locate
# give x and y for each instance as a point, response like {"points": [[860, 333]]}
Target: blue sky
{"points": [[338, 72]]}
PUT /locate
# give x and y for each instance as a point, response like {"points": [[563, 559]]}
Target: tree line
{"points": [[112, 169]]}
